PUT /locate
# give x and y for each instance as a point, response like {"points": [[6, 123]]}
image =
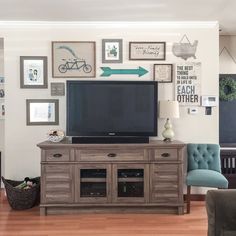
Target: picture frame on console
{"points": [[73, 59], [112, 51], [147, 51], [33, 72], [163, 73], [42, 112]]}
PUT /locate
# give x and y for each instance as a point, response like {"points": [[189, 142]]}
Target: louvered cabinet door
{"points": [[57, 183], [164, 183]]}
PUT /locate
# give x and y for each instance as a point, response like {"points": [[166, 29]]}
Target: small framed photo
{"points": [[163, 73], [112, 51], [33, 72], [42, 112], [2, 110], [57, 89], [2, 93], [2, 80], [73, 59], [147, 51]]}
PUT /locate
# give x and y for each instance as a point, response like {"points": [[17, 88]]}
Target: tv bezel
{"points": [[112, 134]]}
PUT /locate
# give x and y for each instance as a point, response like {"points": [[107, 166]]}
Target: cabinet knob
{"points": [[111, 155], [57, 155], [165, 154]]}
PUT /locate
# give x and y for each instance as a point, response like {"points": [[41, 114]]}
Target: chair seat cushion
{"points": [[206, 178]]}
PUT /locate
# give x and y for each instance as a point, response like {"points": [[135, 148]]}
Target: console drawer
{"points": [[165, 154], [57, 155], [111, 155]]}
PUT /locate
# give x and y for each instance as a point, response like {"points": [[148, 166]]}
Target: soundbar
{"points": [[107, 140]]}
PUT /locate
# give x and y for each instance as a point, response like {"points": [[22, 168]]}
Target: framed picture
{"points": [[163, 73], [188, 83], [73, 59], [147, 51], [2, 93], [112, 51], [2, 110], [57, 89], [42, 112], [33, 72]]}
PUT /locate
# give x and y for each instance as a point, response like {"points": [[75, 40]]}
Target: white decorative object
{"points": [[168, 109], [56, 136], [185, 50]]}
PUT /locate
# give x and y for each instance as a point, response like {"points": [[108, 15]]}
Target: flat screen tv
{"points": [[111, 108]]}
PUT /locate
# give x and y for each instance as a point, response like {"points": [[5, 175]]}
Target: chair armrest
{"points": [[221, 211]]}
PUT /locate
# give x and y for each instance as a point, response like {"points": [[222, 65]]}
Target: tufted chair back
{"points": [[203, 156]]}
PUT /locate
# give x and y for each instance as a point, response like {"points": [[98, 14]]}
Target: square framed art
{"points": [[163, 73], [33, 72], [73, 59], [112, 51]]}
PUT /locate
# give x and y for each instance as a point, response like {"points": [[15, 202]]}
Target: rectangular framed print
{"points": [[42, 112], [2, 92], [57, 89], [112, 50], [147, 50], [163, 73], [33, 72], [188, 83], [2, 109], [73, 59]]}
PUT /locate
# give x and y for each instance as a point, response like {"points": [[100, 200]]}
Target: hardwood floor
{"points": [[29, 223]]}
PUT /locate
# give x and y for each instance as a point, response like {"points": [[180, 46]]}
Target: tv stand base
{"points": [[107, 140]]}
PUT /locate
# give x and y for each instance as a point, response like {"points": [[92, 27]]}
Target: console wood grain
{"points": [[80, 176]]}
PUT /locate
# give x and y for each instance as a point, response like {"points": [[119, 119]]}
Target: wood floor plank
{"points": [[29, 223]]}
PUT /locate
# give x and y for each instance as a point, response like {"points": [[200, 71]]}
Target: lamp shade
{"points": [[168, 109]]}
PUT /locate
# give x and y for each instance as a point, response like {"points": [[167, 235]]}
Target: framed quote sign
{"points": [[147, 51], [188, 83]]}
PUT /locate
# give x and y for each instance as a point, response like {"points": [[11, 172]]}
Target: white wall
{"points": [[227, 64], [22, 155]]}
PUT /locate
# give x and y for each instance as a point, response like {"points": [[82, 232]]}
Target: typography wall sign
{"points": [[147, 51], [188, 83]]}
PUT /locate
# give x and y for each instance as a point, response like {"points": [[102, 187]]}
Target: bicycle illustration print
{"points": [[74, 64], [75, 59]]}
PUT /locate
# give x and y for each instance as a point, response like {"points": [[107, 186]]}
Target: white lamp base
{"points": [[168, 132]]}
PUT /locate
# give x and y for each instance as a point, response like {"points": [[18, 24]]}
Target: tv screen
{"points": [[113, 108]]}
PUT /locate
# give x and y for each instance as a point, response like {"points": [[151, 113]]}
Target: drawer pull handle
{"points": [[57, 155], [165, 154], [111, 155]]}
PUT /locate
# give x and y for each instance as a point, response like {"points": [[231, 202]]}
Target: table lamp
{"points": [[168, 109]]}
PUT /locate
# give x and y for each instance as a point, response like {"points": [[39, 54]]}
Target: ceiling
{"points": [[122, 10]]}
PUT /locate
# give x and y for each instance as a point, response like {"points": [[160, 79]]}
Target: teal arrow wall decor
{"points": [[107, 71]]}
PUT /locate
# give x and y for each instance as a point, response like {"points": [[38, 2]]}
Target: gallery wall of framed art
{"points": [[37, 40]]}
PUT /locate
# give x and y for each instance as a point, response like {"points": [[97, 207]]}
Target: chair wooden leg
{"points": [[188, 198]]}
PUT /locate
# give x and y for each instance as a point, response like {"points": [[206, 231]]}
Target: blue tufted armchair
{"points": [[204, 168]]}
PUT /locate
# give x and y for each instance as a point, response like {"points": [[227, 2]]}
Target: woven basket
{"points": [[21, 199]]}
